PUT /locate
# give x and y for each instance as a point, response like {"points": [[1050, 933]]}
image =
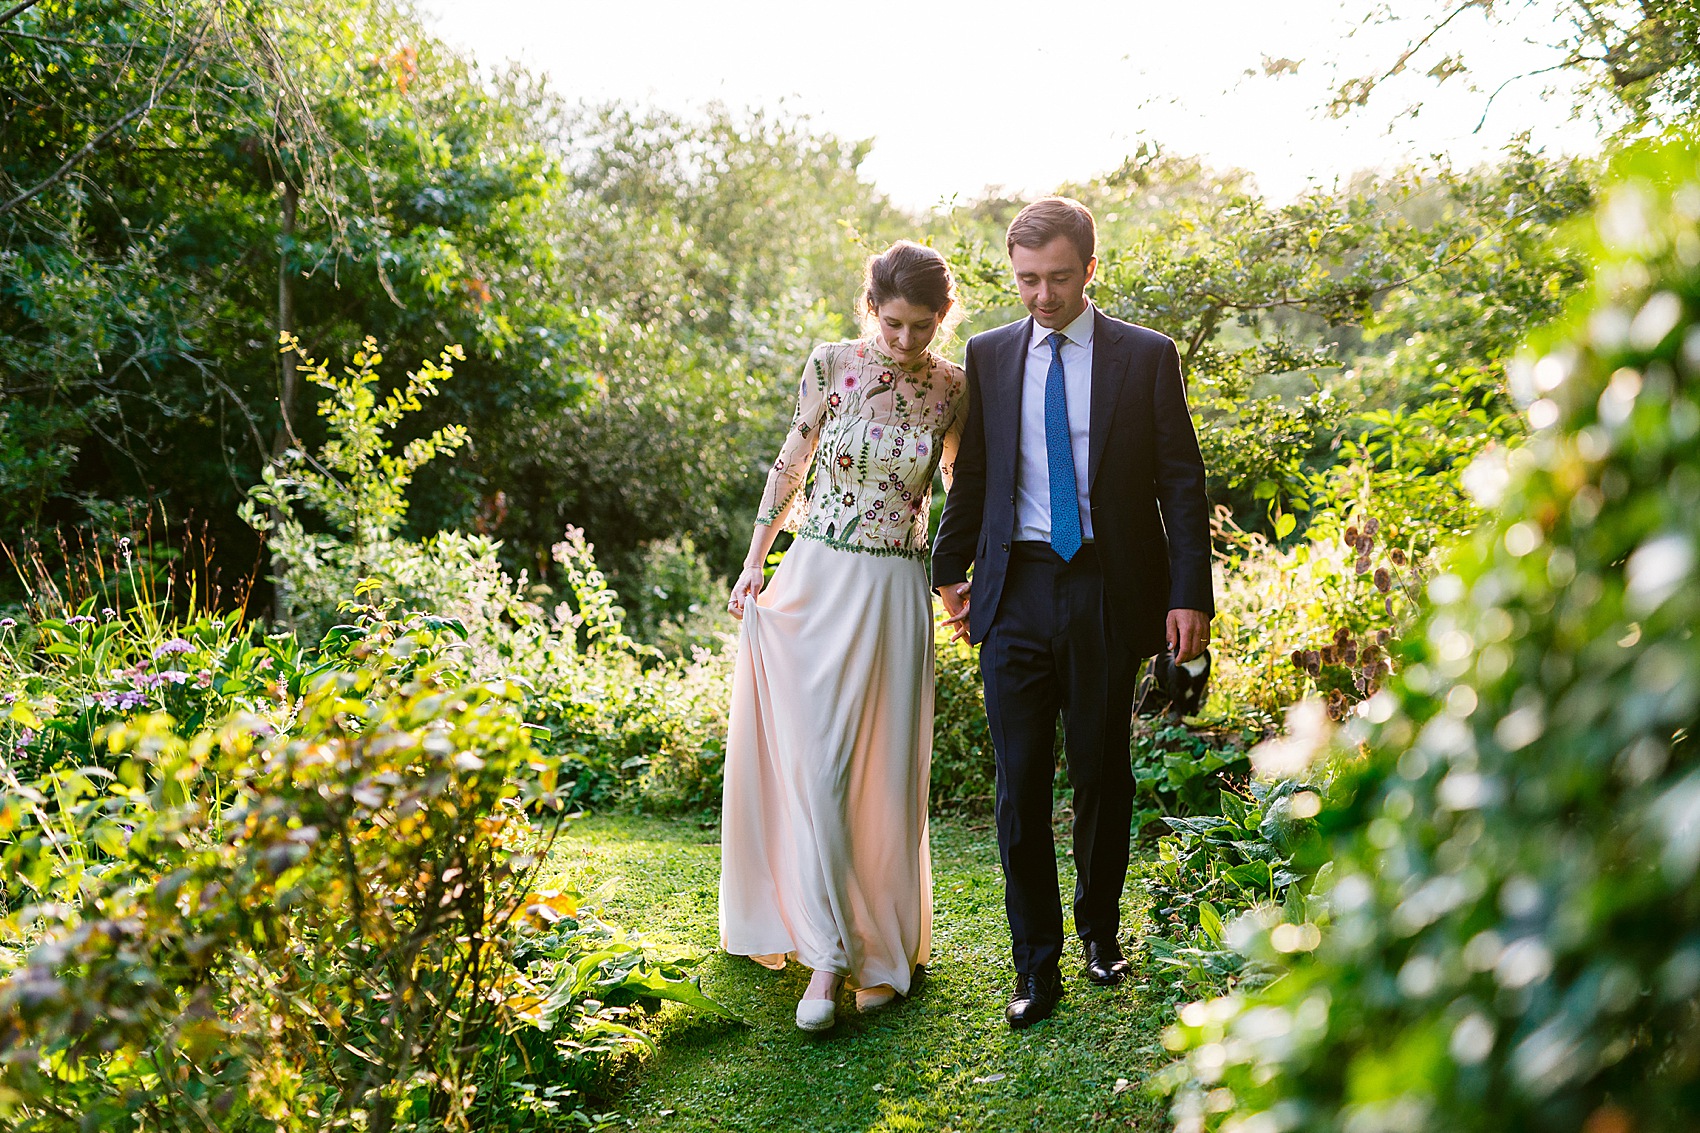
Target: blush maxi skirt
{"points": [[824, 828]]}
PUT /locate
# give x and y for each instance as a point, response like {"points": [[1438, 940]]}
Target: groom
{"points": [[1079, 501]]}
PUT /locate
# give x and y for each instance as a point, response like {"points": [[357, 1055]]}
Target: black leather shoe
{"points": [[1035, 998], [1105, 964]]}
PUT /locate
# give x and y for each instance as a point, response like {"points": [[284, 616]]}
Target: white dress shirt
{"points": [[1033, 468]]}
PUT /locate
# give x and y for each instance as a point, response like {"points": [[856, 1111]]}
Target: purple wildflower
{"points": [[175, 645], [8, 623], [129, 700], [80, 620], [109, 613]]}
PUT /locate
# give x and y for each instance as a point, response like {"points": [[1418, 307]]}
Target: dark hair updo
{"points": [[912, 272]]}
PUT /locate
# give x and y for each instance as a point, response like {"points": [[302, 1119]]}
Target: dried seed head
{"points": [[1351, 654], [1397, 556], [1298, 658], [1342, 634], [1372, 526], [1362, 565], [1352, 537], [1387, 604], [1383, 580]]}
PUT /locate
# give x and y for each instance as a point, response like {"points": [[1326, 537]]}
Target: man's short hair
{"points": [[1049, 217]]}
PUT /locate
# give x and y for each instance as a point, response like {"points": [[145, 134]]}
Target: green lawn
{"points": [[942, 1060]]}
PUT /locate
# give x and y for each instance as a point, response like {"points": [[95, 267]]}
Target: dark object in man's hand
{"points": [[1178, 688]]}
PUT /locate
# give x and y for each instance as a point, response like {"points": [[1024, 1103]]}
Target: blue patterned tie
{"points": [[1059, 451]]}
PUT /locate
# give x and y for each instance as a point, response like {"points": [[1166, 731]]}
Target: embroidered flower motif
{"points": [[920, 448], [876, 431], [845, 460], [849, 499], [850, 381], [834, 400], [871, 514]]}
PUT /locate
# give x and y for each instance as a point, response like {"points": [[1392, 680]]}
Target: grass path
{"points": [[943, 1060]]}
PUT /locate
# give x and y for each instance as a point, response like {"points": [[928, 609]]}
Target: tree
{"points": [[1640, 59]]}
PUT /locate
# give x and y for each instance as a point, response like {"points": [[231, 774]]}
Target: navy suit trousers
{"points": [[1049, 655]]}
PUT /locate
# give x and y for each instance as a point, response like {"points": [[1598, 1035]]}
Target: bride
{"points": [[824, 831]]}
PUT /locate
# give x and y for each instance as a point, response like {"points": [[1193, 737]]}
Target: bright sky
{"points": [[960, 96]]}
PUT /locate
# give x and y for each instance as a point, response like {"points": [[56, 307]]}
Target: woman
{"points": [[824, 831]]}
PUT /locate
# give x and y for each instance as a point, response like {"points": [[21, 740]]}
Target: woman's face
{"points": [[906, 330]]}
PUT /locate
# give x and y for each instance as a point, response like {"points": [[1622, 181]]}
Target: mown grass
{"points": [[944, 1060]]}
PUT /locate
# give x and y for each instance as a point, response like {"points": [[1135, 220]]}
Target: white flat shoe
{"points": [[816, 1014], [873, 998]]}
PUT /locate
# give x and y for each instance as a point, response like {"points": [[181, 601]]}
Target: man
{"points": [[1079, 501]]}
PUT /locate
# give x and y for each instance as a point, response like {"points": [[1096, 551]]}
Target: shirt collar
{"points": [[1079, 332]]}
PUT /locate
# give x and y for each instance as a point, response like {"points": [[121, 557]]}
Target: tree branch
{"points": [[18, 10], [101, 138]]}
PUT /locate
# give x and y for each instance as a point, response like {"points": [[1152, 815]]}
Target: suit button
{"points": [[1006, 547], [1012, 497]]}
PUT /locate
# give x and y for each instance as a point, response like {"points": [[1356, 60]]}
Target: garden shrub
{"points": [[1516, 921], [677, 603], [1216, 866], [1286, 617], [330, 921], [964, 765]]}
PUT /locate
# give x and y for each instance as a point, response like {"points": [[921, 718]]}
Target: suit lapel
{"points": [[1109, 366], [1011, 378]]}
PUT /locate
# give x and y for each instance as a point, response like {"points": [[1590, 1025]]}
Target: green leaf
{"points": [[1211, 922]]}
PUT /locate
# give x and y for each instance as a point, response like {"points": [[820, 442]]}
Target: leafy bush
{"points": [[1215, 867], [964, 765], [356, 485], [247, 924], [1287, 620], [1181, 770], [677, 602], [1516, 937]]}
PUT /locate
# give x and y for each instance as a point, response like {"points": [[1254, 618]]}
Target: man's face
{"points": [[1052, 281]]}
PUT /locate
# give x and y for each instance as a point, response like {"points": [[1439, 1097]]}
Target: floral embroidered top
{"points": [[874, 433]]}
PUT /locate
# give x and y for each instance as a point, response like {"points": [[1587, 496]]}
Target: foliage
{"points": [[678, 603], [964, 766], [1181, 770], [1636, 57], [1323, 617], [1350, 339], [1215, 867], [1516, 933], [250, 922], [356, 484]]}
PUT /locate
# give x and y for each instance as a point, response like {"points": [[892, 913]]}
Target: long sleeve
{"points": [[786, 478], [1180, 491], [964, 506], [951, 443]]}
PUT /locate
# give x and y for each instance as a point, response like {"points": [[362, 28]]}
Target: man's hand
{"points": [[1189, 633], [955, 598]]}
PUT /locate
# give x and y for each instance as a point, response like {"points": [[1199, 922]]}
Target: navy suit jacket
{"points": [[1145, 480]]}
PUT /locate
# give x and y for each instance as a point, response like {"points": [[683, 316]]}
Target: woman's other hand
{"points": [[746, 589]]}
